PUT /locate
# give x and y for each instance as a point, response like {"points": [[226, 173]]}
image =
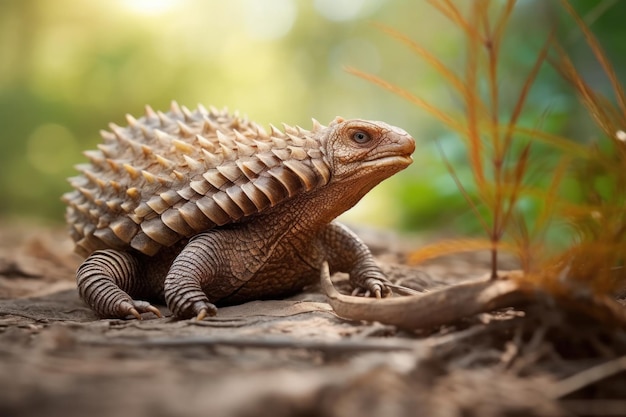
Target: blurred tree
{"points": [[68, 67]]}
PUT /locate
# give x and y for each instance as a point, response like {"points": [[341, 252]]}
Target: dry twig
{"points": [[431, 309]]}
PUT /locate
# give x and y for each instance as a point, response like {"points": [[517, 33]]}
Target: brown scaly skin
{"points": [[269, 254]]}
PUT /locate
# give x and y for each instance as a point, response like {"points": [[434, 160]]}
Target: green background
{"points": [[69, 67]]}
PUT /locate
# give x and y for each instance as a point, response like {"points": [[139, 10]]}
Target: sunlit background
{"points": [[69, 67]]}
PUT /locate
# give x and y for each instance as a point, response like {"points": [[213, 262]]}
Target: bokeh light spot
{"points": [[269, 19], [149, 7], [343, 10], [51, 148]]}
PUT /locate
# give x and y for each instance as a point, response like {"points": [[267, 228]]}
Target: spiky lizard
{"points": [[201, 207]]}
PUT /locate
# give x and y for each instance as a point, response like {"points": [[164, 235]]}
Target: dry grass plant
{"points": [[499, 150]]}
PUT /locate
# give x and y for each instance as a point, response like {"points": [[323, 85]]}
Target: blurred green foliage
{"points": [[69, 67]]}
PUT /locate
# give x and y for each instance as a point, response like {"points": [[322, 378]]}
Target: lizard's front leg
{"points": [[346, 252], [196, 267], [106, 278]]}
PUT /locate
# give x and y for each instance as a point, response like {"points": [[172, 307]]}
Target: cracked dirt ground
{"points": [[287, 357]]}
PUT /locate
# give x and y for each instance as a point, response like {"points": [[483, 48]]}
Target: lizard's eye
{"points": [[361, 137]]}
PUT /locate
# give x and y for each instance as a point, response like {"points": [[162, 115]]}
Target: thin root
{"points": [[587, 377]]}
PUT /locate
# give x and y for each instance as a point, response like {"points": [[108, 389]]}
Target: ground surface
{"points": [[290, 357]]}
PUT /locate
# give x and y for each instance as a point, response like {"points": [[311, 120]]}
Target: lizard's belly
{"points": [[272, 282]]}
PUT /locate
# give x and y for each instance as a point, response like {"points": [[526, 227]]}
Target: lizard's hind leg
{"points": [[105, 280]]}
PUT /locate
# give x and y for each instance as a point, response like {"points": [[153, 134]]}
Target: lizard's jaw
{"points": [[384, 151], [394, 160], [394, 156]]}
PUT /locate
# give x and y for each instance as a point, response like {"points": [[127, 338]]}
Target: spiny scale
{"points": [[168, 176]]}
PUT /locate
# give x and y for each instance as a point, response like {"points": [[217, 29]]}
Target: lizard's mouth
{"points": [[396, 154], [392, 160], [399, 160]]}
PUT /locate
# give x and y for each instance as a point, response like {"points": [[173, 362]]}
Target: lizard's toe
{"points": [[377, 293], [372, 287], [360, 292], [204, 310], [135, 308], [202, 314], [200, 310]]}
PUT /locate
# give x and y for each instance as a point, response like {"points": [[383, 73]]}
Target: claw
{"points": [[372, 288], [155, 311], [360, 292], [377, 293], [202, 314], [135, 313], [136, 308], [204, 309]]}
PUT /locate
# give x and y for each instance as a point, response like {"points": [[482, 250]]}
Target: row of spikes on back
{"points": [[221, 178], [187, 217], [287, 145], [235, 201], [214, 122]]}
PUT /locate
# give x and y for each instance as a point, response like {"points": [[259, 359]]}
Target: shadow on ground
{"points": [[290, 357]]}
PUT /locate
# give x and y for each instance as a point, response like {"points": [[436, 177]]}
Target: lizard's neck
{"points": [[306, 214]]}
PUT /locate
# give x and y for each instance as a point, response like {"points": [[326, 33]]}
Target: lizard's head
{"points": [[366, 152]]}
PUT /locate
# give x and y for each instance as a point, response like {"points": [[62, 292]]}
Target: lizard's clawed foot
{"points": [[206, 311], [373, 287], [199, 309], [187, 301], [135, 308]]}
